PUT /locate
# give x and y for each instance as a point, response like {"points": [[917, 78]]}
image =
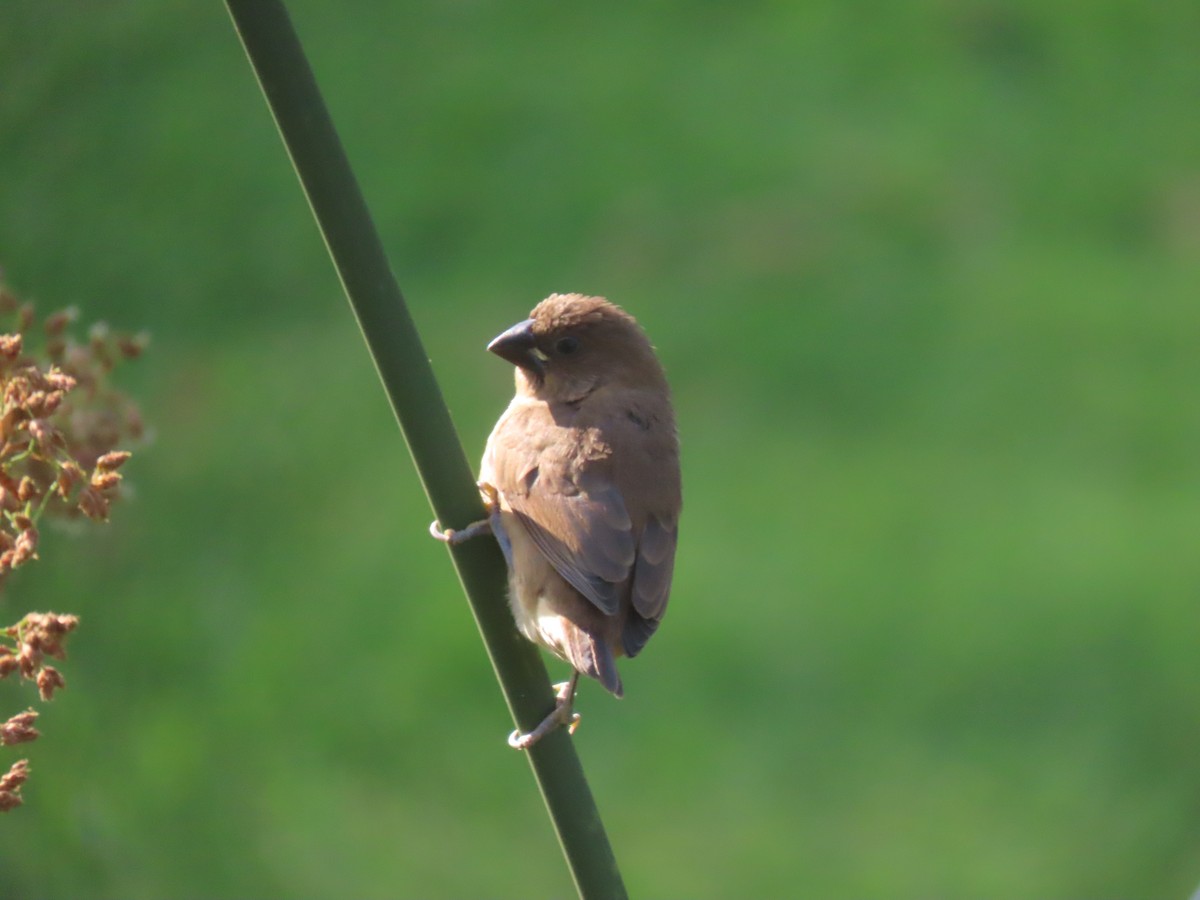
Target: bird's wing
{"points": [[654, 567], [651, 581], [578, 519], [584, 530]]}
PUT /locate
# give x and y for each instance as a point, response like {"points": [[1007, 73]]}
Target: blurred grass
{"points": [[924, 280]]}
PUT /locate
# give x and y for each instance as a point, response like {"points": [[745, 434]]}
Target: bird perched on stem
{"points": [[581, 480]]}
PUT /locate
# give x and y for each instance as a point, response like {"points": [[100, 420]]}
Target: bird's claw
{"points": [[562, 715], [565, 691], [456, 536]]}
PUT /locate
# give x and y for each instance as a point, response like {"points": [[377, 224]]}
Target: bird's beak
{"points": [[518, 346]]}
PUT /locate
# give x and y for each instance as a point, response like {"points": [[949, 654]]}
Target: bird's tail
{"points": [[593, 657]]}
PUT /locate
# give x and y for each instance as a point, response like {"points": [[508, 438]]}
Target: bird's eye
{"points": [[567, 345]]}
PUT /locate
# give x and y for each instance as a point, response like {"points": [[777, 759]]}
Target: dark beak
{"points": [[518, 346]]}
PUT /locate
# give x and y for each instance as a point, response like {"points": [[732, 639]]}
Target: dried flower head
{"points": [[60, 425], [49, 680], [19, 729], [16, 775], [10, 346], [10, 785]]}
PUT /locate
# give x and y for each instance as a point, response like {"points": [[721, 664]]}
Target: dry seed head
{"points": [[10, 423], [19, 729], [43, 432], [17, 773], [112, 461], [25, 548], [49, 627], [57, 322], [102, 481], [42, 403], [69, 475], [59, 623], [59, 380], [36, 402], [26, 490], [131, 347], [16, 391], [10, 800], [29, 660], [49, 680], [93, 504]]}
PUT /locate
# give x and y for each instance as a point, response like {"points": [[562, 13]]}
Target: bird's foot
{"points": [[456, 536], [453, 536], [565, 692], [562, 715]]}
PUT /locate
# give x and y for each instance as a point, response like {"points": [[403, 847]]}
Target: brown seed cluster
{"points": [[19, 728], [23, 649], [10, 785], [25, 646], [60, 426]]}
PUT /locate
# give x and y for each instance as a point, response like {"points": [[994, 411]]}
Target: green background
{"points": [[924, 278]]}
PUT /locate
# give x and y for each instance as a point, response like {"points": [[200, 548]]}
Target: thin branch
{"points": [[341, 213]]}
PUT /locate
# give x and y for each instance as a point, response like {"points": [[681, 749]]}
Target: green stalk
{"points": [[291, 91]]}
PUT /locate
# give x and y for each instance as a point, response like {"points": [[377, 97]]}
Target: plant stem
{"points": [[291, 91]]}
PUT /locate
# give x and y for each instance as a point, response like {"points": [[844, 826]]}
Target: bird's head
{"points": [[572, 345]]}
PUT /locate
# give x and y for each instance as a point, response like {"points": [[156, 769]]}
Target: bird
{"points": [[581, 480]]}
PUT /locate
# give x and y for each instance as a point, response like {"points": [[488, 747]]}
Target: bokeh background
{"points": [[924, 277]]}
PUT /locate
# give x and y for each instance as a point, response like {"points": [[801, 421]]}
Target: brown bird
{"points": [[581, 477]]}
